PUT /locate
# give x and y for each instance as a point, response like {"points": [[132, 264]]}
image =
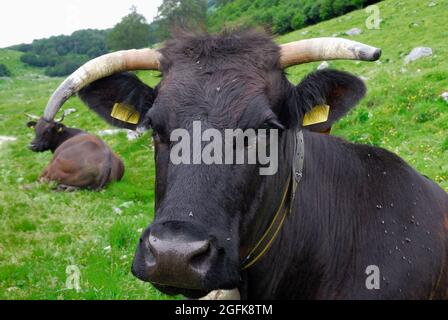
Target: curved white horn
{"points": [[319, 49], [103, 66]]}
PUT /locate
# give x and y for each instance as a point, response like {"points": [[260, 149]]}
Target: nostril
{"points": [[201, 255], [202, 248]]}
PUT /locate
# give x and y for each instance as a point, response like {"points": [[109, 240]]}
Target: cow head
{"points": [[47, 134], [207, 215]]}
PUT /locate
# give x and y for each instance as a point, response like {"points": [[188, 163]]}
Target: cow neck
{"points": [[64, 136], [285, 206]]}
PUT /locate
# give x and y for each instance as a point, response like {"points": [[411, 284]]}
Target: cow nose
{"points": [[180, 252], [177, 259]]}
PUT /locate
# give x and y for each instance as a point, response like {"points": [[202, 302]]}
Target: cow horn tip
{"points": [[376, 54]]}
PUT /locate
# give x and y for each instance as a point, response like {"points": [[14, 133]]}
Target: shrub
{"points": [[38, 60], [298, 20], [4, 72], [66, 65], [282, 20]]}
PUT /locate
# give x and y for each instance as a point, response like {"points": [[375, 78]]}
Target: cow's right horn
{"points": [[103, 66], [319, 49]]}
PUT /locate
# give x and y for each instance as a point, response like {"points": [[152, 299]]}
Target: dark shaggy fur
{"points": [[355, 206]]}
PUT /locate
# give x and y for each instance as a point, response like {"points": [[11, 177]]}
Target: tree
{"points": [[183, 14], [4, 72], [298, 21], [326, 9], [282, 20], [132, 32]]}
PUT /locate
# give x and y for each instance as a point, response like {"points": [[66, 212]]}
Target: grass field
{"points": [[43, 232]]}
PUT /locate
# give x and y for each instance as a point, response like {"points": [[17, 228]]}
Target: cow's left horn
{"points": [[103, 66], [319, 49]]}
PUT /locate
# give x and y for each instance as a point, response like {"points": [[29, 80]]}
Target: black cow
{"points": [[80, 160], [356, 205]]}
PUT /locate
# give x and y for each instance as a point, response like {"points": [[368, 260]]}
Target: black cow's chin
{"points": [[38, 148]]}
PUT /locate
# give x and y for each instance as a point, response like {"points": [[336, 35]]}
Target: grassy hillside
{"points": [[402, 111], [43, 232], [281, 16]]}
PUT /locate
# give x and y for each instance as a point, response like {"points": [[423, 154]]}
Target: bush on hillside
{"points": [[281, 15], [66, 65], [4, 72], [63, 54]]}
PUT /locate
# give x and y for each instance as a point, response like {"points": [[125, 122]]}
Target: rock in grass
{"points": [[444, 96], [353, 32], [5, 139], [323, 65], [417, 53]]}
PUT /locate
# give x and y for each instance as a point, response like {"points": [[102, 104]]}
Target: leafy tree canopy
{"points": [[132, 32]]}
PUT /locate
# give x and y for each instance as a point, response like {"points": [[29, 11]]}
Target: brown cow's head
{"points": [[208, 214], [47, 134]]}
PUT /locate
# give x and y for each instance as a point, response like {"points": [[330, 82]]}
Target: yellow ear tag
{"points": [[125, 113], [316, 115]]}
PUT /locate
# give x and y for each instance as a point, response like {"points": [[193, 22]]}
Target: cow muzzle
{"points": [[37, 147], [172, 254]]}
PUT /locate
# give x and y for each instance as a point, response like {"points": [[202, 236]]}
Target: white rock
{"points": [[432, 4], [353, 32], [444, 96], [110, 132], [5, 139], [69, 111], [417, 53], [323, 65], [132, 135], [127, 204]]}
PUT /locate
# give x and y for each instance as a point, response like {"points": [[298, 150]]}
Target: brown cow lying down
{"points": [[80, 159]]}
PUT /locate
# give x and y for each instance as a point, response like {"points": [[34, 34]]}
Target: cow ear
{"points": [[31, 124], [121, 99], [325, 96]]}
